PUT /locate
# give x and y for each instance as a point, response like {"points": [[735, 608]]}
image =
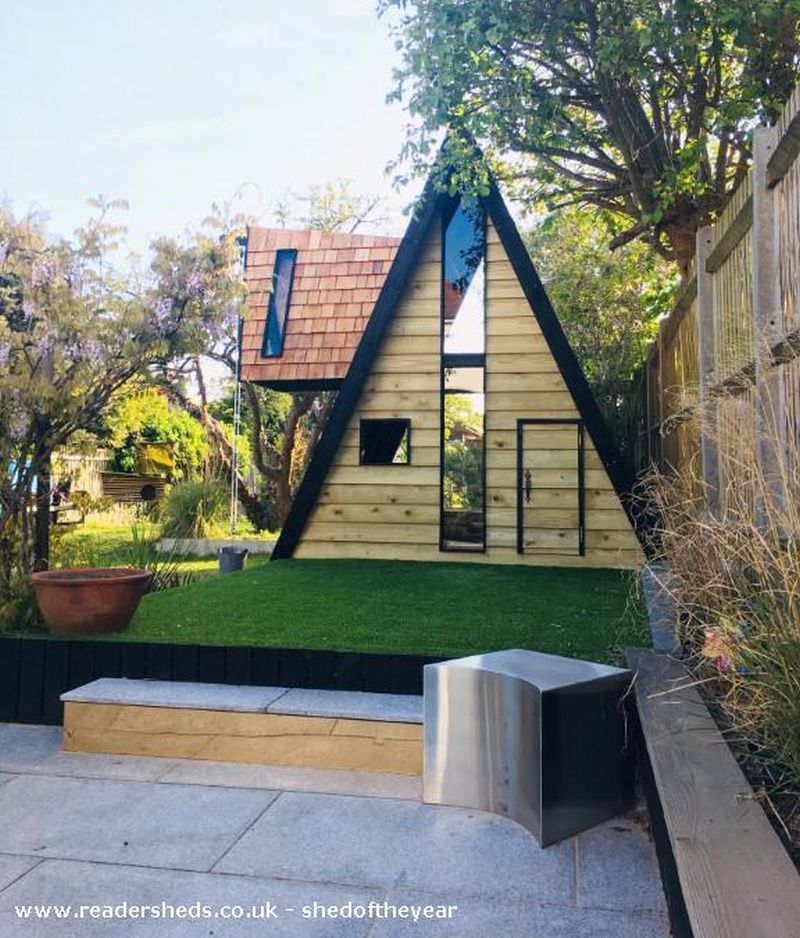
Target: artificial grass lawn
{"points": [[383, 606]]}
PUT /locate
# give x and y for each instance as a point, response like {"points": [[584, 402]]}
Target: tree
{"points": [[73, 332], [144, 415], [283, 428], [642, 108], [463, 453], [608, 302]]}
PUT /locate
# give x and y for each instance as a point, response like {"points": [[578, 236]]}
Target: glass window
{"points": [[463, 288], [463, 496], [385, 442], [278, 308]]}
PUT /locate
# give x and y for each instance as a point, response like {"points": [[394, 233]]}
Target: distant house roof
{"points": [[336, 282]]}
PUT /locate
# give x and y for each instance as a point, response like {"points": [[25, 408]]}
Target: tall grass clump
{"points": [[732, 568], [195, 508]]}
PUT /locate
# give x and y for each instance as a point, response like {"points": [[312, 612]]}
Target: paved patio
{"points": [[92, 830]]}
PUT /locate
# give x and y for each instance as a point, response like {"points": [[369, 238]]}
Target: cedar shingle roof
{"points": [[337, 279]]}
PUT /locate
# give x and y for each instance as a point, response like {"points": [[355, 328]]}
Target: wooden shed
{"points": [[464, 428]]}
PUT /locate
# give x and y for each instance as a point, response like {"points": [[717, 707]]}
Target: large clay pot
{"points": [[91, 600]]}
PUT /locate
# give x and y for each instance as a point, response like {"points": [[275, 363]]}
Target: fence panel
{"points": [[735, 320]]}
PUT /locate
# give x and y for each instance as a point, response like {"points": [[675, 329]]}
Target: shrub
{"points": [[734, 575], [141, 552], [194, 508]]}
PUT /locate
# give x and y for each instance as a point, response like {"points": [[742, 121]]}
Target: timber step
{"points": [[234, 723], [725, 871]]}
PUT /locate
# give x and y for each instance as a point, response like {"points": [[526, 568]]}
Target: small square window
{"points": [[385, 442]]}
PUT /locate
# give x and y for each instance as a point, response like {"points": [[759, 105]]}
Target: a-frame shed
{"points": [[464, 428]]}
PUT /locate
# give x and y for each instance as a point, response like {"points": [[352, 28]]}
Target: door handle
{"points": [[528, 485]]}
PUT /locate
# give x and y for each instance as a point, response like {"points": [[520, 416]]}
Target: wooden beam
{"points": [[735, 876], [738, 228], [786, 152]]}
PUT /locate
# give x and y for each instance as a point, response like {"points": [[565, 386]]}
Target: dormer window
{"points": [[279, 299]]}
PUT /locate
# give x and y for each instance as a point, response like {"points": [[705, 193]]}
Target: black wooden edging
{"points": [[34, 672]]}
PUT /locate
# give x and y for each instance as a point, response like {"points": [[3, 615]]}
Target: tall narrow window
{"points": [[279, 299], [463, 287], [463, 495]]}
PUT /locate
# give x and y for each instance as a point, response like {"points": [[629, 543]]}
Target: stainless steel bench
{"points": [[538, 738]]}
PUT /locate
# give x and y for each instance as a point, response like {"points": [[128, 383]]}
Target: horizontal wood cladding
{"points": [[339, 493], [501, 555], [392, 512]]}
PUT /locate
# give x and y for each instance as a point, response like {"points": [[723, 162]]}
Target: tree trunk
{"points": [[256, 511], [41, 547]]}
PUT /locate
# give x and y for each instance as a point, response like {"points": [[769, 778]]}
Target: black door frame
{"points": [[576, 422]]}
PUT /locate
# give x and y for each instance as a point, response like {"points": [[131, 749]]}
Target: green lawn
{"points": [[99, 544], [424, 608]]}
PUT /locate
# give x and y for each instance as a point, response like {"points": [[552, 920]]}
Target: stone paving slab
{"points": [[295, 848], [617, 869], [354, 705], [77, 883], [187, 827], [36, 750], [126, 692], [481, 918], [12, 867], [389, 843], [291, 778]]}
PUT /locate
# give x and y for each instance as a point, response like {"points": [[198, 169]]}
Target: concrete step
{"points": [[235, 723]]}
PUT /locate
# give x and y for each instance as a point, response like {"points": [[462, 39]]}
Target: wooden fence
{"points": [[83, 470], [726, 365]]}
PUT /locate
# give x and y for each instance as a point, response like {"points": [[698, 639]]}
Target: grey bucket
{"points": [[232, 558]]}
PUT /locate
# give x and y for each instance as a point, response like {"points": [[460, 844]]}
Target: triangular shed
{"points": [[464, 428]]}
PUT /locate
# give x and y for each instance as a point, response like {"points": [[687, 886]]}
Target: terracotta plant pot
{"points": [[91, 600]]}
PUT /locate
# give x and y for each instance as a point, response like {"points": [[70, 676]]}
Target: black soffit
{"points": [[429, 208]]}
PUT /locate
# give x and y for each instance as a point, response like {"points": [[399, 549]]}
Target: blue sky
{"points": [[173, 104]]}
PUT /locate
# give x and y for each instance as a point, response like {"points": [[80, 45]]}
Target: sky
{"points": [[175, 104]]}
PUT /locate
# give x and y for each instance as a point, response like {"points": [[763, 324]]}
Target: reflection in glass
{"points": [[463, 453], [463, 287]]}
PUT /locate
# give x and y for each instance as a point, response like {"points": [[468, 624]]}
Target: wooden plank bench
{"points": [[267, 725], [726, 873]]}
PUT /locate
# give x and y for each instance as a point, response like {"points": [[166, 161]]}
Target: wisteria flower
{"points": [[160, 313], [195, 283], [43, 273]]}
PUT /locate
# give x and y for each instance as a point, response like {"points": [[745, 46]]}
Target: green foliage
{"points": [[146, 416], [608, 302], [19, 611], [640, 107], [333, 206], [194, 508], [463, 456], [74, 330], [166, 566]]}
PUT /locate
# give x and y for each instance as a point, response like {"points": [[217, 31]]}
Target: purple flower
{"points": [[17, 426], [3, 251], [160, 312], [48, 340], [93, 348], [43, 273], [5, 354], [195, 283]]}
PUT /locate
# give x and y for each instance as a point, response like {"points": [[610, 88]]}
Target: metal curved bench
{"points": [[537, 738]]}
